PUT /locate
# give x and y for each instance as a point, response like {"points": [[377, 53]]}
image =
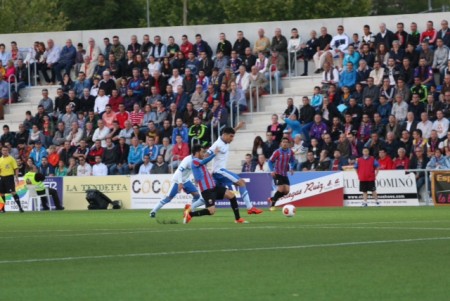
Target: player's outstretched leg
{"points": [[161, 203], [17, 200], [245, 197], [273, 200], [197, 201], [188, 214]]}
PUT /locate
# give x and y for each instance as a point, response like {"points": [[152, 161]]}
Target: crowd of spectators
{"points": [[137, 109], [389, 92]]}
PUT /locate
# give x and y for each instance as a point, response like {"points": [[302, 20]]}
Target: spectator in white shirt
{"points": [[425, 125], [146, 167], [51, 57], [262, 165], [399, 108], [100, 102], [440, 125], [83, 168], [243, 79], [99, 169], [101, 133], [176, 79]]}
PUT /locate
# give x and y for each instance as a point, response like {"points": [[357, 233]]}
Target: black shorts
{"points": [[281, 180], [211, 195], [365, 186], [7, 184]]}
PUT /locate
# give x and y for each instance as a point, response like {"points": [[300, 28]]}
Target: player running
{"points": [[9, 173], [210, 192], [224, 177], [180, 180], [281, 161]]}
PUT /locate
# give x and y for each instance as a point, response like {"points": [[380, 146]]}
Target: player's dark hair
{"points": [[39, 177], [196, 148], [285, 138], [228, 130]]}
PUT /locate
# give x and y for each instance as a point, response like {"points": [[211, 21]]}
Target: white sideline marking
{"points": [[339, 244], [223, 228], [299, 227]]}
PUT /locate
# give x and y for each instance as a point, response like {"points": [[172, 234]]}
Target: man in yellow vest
{"points": [[37, 179], [8, 177]]}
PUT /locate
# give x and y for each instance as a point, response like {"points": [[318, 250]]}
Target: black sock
{"points": [[235, 208], [17, 200], [276, 196], [200, 212]]}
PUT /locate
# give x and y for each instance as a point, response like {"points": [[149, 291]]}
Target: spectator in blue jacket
{"points": [[348, 77], [135, 155], [37, 153], [151, 150], [66, 60], [181, 130]]}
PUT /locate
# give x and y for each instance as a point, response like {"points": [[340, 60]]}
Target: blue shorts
{"points": [[188, 187], [225, 178]]}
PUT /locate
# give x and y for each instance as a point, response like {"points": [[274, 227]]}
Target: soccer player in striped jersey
{"points": [[210, 192], [224, 177], [281, 162], [180, 180]]}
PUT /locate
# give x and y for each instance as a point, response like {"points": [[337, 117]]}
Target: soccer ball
{"points": [[289, 210]]}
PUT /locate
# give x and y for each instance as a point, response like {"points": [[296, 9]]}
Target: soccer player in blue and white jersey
{"points": [[210, 192], [180, 180], [224, 177], [281, 162]]}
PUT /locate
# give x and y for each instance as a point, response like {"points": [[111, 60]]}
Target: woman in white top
{"points": [[262, 165], [153, 65], [262, 63], [294, 47]]}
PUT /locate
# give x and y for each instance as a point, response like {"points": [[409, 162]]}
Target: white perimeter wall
{"points": [[210, 33]]}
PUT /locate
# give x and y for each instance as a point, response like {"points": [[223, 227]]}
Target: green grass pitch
{"points": [[320, 254]]}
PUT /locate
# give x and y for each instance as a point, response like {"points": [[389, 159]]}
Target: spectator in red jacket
{"points": [[180, 151], [384, 160]]}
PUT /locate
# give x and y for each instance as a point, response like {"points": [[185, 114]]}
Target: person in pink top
{"points": [[109, 116]]}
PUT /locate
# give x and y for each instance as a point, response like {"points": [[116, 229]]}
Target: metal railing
{"points": [[253, 85], [295, 66], [9, 89], [219, 128], [172, 170], [194, 141], [270, 79]]}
